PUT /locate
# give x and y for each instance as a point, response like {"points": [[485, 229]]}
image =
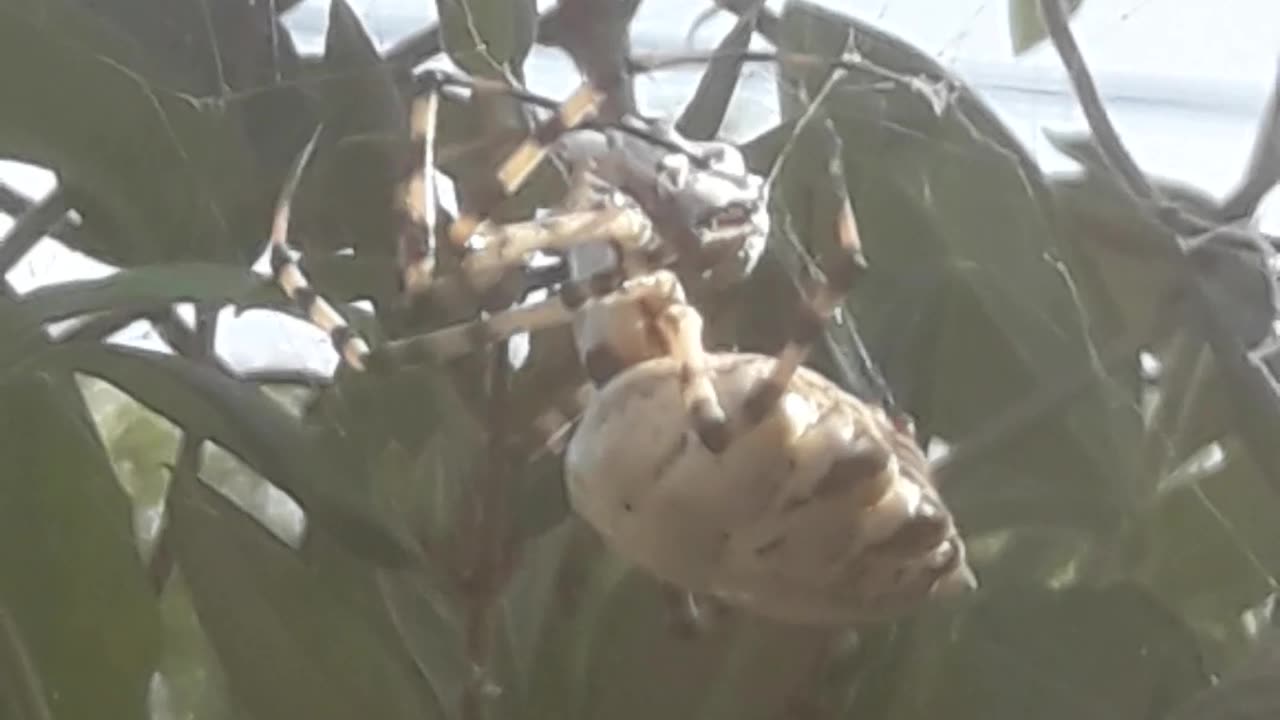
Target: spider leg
{"points": [[837, 278], [417, 206], [291, 279], [515, 170], [417, 243], [674, 328]]}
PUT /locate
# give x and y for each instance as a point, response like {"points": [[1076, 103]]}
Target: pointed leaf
{"points": [[969, 315], [142, 289], [289, 646], [76, 610], [488, 37], [197, 196], [254, 428], [704, 115]]}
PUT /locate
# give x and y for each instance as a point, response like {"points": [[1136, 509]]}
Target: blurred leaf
{"points": [[608, 644], [198, 196], [24, 338], [1212, 549], [74, 598], [195, 681], [704, 114], [1249, 691], [1104, 654], [488, 38], [254, 428], [1026, 27], [289, 645], [142, 289], [348, 194], [973, 303]]}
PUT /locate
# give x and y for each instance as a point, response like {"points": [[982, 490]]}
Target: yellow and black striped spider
{"points": [[741, 476]]}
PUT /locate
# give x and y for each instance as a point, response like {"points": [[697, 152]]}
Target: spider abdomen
{"points": [[823, 513]]}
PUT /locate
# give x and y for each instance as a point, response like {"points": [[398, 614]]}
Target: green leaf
{"points": [[488, 37], [143, 289], [609, 644], [967, 315], [348, 194], [289, 645], [1111, 654], [79, 626], [198, 195], [1026, 27], [1212, 548], [260, 432], [1250, 691]]}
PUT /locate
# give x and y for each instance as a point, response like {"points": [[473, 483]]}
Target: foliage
{"points": [[437, 572]]}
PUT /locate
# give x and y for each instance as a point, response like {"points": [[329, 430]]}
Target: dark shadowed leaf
{"points": [[347, 195], [1026, 27], [1249, 691], [704, 115], [610, 644], [76, 611], [488, 37], [197, 196], [1109, 654], [1212, 548], [972, 303], [142, 289], [289, 644], [254, 428]]}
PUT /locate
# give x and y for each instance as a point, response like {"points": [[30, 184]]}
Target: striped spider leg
{"points": [[499, 248]]}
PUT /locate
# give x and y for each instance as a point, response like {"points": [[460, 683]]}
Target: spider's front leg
{"points": [[626, 321]]}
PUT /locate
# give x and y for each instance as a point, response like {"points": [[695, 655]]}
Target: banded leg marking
{"points": [[507, 246], [293, 282], [840, 276], [515, 170], [417, 246], [559, 309]]}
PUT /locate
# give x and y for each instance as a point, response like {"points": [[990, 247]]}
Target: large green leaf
{"points": [[602, 639], [348, 194], [289, 644], [488, 37], [1250, 691], [1211, 548], [158, 175], [972, 303], [1111, 654], [260, 432], [79, 626]]}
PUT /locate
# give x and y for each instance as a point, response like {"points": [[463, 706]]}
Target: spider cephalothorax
{"points": [[745, 476]]}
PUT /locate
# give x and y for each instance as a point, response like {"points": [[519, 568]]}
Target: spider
{"points": [[744, 477]]}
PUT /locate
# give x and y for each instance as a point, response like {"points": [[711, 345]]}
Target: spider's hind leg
{"points": [[838, 275]]}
